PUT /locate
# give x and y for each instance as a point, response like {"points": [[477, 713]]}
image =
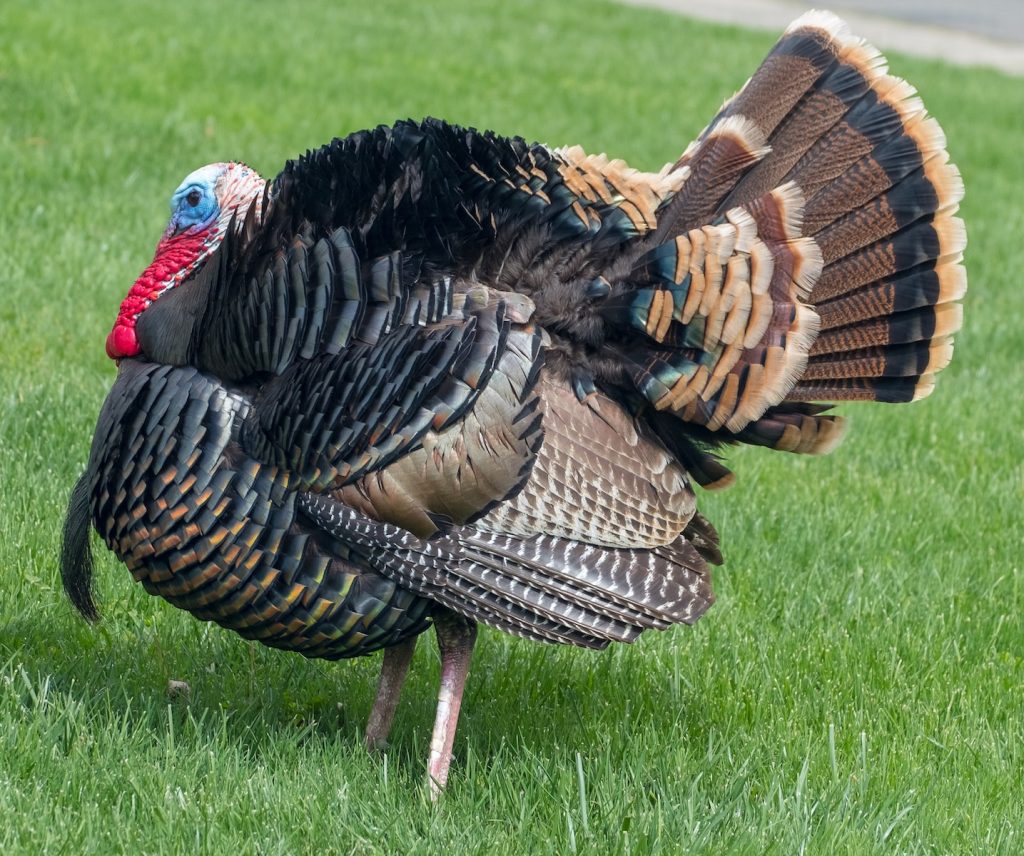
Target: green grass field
{"points": [[858, 687]]}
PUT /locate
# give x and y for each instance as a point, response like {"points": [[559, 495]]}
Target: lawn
{"points": [[858, 687]]}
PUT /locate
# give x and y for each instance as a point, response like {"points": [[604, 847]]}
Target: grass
{"points": [[858, 688]]}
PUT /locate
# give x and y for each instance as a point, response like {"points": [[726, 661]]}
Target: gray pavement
{"points": [[996, 19], [966, 32]]}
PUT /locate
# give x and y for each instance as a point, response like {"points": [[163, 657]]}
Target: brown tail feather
{"points": [[928, 286], [810, 256], [882, 213], [915, 358], [871, 188]]}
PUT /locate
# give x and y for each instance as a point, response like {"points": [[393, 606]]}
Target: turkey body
{"points": [[434, 376], [202, 523]]}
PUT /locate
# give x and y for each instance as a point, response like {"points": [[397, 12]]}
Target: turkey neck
{"points": [[203, 525]]}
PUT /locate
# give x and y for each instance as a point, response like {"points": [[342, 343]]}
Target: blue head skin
{"points": [[195, 204]]}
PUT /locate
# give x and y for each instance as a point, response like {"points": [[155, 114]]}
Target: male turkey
{"points": [[430, 375]]}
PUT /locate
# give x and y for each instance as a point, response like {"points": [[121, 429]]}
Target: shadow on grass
{"points": [[256, 700]]}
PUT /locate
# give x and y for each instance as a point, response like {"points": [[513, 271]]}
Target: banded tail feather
{"points": [[811, 256], [893, 259]]}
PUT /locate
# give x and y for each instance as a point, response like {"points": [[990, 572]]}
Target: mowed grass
{"points": [[856, 689]]}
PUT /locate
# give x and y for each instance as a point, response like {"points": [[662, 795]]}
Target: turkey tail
{"points": [[75, 554], [883, 216], [811, 255]]}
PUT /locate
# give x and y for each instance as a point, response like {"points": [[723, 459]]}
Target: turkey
{"points": [[429, 376]]}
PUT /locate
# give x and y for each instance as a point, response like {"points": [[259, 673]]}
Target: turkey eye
{"points": [[194, 197]]}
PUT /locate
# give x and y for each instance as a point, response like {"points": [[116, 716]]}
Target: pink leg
{"points": [[393, 670], [455, 638]]}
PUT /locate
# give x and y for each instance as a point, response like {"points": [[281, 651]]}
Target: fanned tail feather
{"points": [[892, 247], [812, 254]]}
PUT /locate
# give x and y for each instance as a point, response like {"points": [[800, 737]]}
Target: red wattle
{"points": [[121, 342], [175, 257]]}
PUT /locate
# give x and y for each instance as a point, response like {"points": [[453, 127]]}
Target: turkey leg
{"points": [[393, 671], [455, 638]]}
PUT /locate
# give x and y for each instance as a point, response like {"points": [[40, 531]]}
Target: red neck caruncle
{"points": [[176, 257]]}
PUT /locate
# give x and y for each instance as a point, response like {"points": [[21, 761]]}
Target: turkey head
{"points": [[209, 204]]}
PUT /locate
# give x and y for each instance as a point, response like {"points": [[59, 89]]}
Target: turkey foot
{"points": [[455, 638], [393, 671]]}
